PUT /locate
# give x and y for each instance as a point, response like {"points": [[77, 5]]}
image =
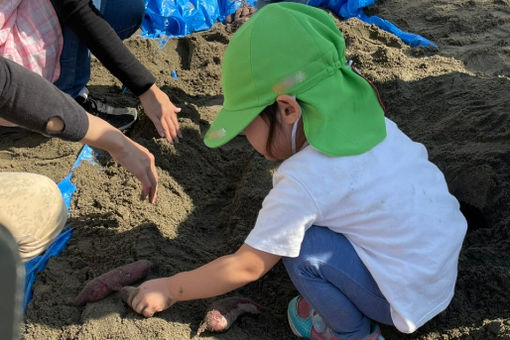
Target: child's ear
{"points": [[288, 108]]}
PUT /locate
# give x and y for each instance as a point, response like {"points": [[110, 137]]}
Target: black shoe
{"points": [[120, 117]]}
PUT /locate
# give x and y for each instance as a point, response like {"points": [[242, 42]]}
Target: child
{"points": [[362, 220]]}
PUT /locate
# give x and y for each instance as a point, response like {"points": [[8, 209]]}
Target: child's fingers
{"points": [[126, 294], [135, 301], [147, 312], [138, 303], [131, 296], [142, 307]]}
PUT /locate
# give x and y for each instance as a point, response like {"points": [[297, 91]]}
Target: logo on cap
{"points": [[286, 84], [217, 134]]}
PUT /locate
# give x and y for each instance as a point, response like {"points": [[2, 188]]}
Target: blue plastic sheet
{"points": [[38, 263], [66, 187], [166, 19], [347, 9]]}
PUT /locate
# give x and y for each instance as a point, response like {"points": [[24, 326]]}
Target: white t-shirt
{"points": [[391, 203]]}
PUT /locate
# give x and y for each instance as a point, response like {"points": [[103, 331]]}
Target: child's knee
{"points": [[302, 267]]}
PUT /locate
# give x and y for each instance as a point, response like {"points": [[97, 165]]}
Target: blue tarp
{"points": [[177, 18], [38, 263], [354, 9]]}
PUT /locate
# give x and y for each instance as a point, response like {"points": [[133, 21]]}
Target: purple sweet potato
{"points": [[112, 281], [224, 312]]}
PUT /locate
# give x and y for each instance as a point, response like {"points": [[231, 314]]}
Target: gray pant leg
{"points": [[11, 286]]}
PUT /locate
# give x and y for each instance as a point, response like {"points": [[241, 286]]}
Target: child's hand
{"points": [[150, 297]]}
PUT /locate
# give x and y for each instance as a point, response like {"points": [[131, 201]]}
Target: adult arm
{"points": [[31, 101], [102, 40], [90, 26], [217, 277]]}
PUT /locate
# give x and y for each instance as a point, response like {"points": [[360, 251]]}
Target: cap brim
{"points": [[228, 124]]}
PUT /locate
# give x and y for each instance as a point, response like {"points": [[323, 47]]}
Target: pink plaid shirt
{"points": [[30, 35]]}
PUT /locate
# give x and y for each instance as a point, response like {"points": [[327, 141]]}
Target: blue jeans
{"points": [[124, 16], [331, 277]]}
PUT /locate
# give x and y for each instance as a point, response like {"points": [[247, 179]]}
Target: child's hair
{"points": [[269, 116]]}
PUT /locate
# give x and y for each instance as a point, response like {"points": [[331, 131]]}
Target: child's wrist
{"points": [[172, 291]]}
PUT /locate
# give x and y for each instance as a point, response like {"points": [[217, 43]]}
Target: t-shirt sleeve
{"points": [[287, 212]]}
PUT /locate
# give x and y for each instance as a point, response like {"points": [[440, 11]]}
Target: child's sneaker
{"points": [[306, 323], [376, 333], [299, 314]]}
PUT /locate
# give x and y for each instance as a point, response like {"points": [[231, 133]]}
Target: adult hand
{"points": [[131, 155], [150, 297], [140, 162], [162, 113]]}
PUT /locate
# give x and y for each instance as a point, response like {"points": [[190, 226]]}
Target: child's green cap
{"points": [[294, 49]]}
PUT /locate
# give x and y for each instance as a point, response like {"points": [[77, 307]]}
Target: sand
{"points": [[454, 99]]}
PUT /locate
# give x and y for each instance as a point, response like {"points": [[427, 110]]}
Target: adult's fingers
{"points": [[153, 189], [159, 128], [172, 124], [145, 192], [170, 133], [149, 182], [166, 130], [175, 121]]}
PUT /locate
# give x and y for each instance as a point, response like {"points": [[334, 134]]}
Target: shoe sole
{"points": [[292, 327], [127, 126], [104, 117], [291, 324]]}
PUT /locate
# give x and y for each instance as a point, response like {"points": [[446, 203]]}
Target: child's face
{"points": [[257, 132]]}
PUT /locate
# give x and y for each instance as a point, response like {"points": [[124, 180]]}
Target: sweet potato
{"points": [[224, 312], [112, 281]]}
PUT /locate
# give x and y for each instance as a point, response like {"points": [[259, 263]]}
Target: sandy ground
{"points": [[454, 99]]}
